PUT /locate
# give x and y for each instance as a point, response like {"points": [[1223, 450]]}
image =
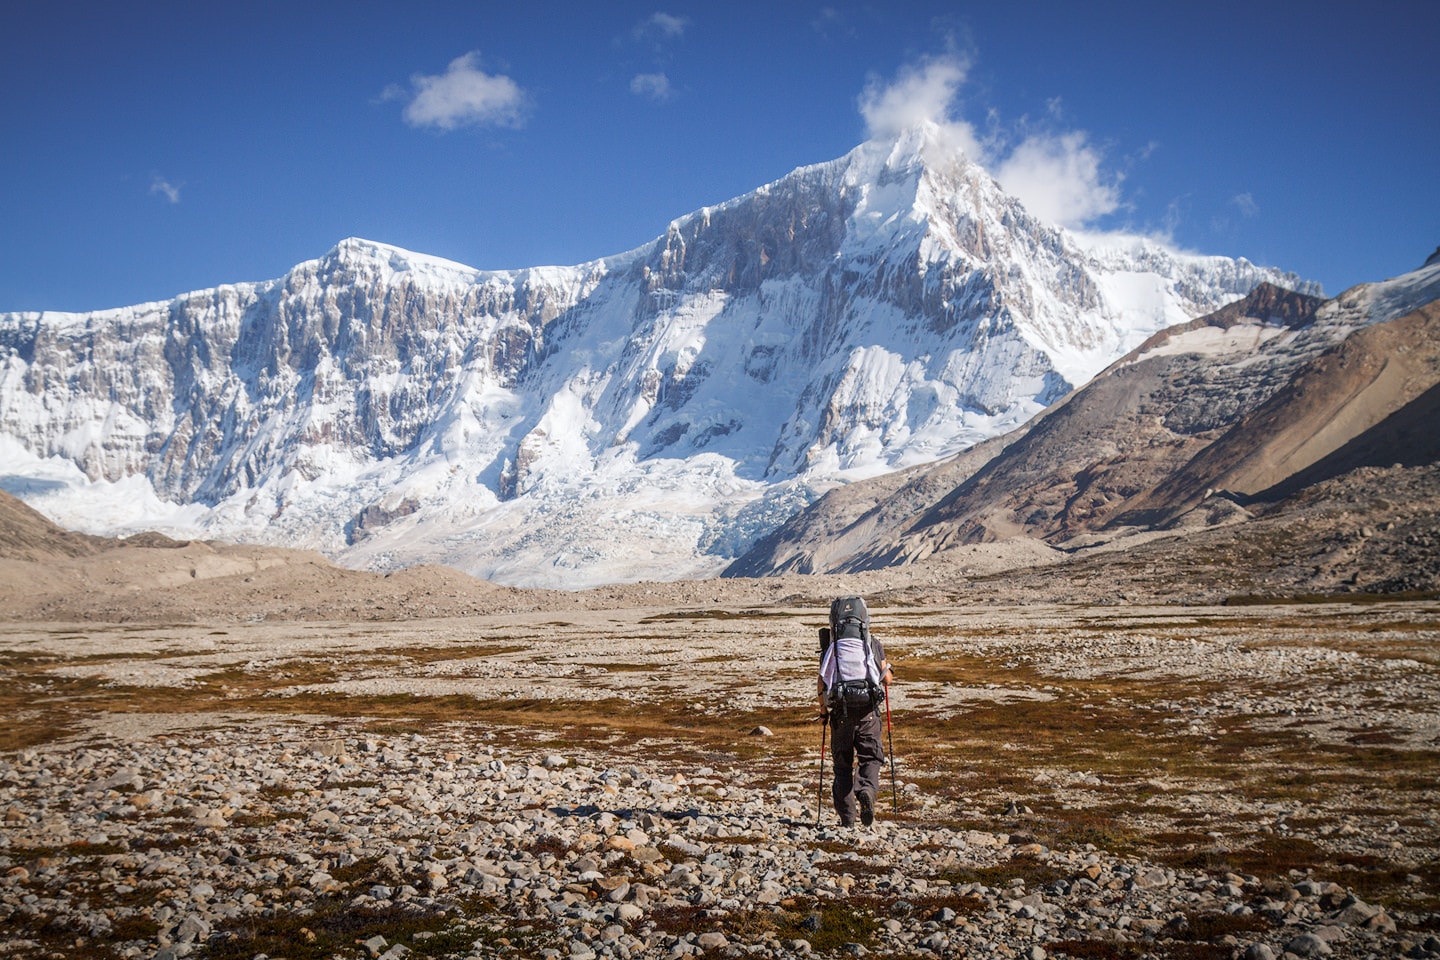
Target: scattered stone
{"points": [[579, 857]]}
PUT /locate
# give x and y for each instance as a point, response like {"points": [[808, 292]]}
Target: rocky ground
{"points": [[1376, 532], [1185, 782]]}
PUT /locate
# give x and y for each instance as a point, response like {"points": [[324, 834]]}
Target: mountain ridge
{"points": [[1254, 403], [644, 415]]}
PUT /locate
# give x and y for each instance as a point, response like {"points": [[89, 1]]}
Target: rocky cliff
{"points": [[646, 415], [1239, 409]]}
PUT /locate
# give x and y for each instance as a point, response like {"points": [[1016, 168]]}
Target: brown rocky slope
{"points": [[1272, 410]]}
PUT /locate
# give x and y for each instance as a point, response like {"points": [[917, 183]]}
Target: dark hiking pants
{"points": [[855, 741]]}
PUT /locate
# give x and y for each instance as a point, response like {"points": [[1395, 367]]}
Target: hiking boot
{"points": [[867, 809]]}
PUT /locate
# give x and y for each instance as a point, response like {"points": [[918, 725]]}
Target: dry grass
{"points": [[827, 924]]}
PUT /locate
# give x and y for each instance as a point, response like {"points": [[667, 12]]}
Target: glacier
{"points": [[644, 416]]}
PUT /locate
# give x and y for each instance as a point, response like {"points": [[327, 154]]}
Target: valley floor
{"points": [[1080, 781]]}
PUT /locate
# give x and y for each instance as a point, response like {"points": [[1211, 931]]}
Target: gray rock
{"points": [[1149, 878], [124, 779], [191, 929], [1308, 945], [1318, 888]]}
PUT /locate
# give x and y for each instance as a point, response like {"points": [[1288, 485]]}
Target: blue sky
{"points": [[153, 148]]}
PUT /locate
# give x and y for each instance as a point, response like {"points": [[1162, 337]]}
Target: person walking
{"points": [[852, 684]]}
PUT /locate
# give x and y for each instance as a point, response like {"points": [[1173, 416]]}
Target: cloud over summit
{"points": [[922, 92], [1057, 174]]}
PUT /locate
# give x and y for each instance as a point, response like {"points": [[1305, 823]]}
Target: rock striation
{"points": [[1204, 425], [642, 416]]}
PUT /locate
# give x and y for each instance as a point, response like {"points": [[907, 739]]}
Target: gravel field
{"points": [[1078, 781]]}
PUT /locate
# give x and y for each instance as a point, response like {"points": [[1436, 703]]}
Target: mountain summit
{"points": [[648, 415]]}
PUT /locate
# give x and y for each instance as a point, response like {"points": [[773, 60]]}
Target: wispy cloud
{"points": [[161, 187], [659, 32], [1245, 203], [1059, 178], [655, 86], [463, 96], [660, 26], [1058, 174], [829, 20]]}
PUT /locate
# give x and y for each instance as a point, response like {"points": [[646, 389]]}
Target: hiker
{"points": [[854, 678]]}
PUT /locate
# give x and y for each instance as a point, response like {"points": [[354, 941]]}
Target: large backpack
{"points": [[850, 624]]}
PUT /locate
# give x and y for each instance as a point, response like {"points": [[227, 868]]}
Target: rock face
{"points": [[645, 415], [1232, 412]]}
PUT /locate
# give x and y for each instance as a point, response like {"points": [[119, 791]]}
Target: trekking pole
{"points": [[820, 787], [890, 733]]}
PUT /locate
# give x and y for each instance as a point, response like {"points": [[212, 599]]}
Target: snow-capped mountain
{"points": [[1269, 395], [643, 416]]}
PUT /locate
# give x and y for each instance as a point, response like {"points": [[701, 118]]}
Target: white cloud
{"points": [[829, 20], [465, 96], [1059, 176], [1245, 203], [922, 92], [656, 86], [170, 191], [1059, 179], [1176, 212], [662, 26]]}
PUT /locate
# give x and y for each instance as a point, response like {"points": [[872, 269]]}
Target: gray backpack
{"points": [[850, 623]]}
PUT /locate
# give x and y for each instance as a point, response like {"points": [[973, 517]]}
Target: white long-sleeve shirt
{"points": [[846, 659]]}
